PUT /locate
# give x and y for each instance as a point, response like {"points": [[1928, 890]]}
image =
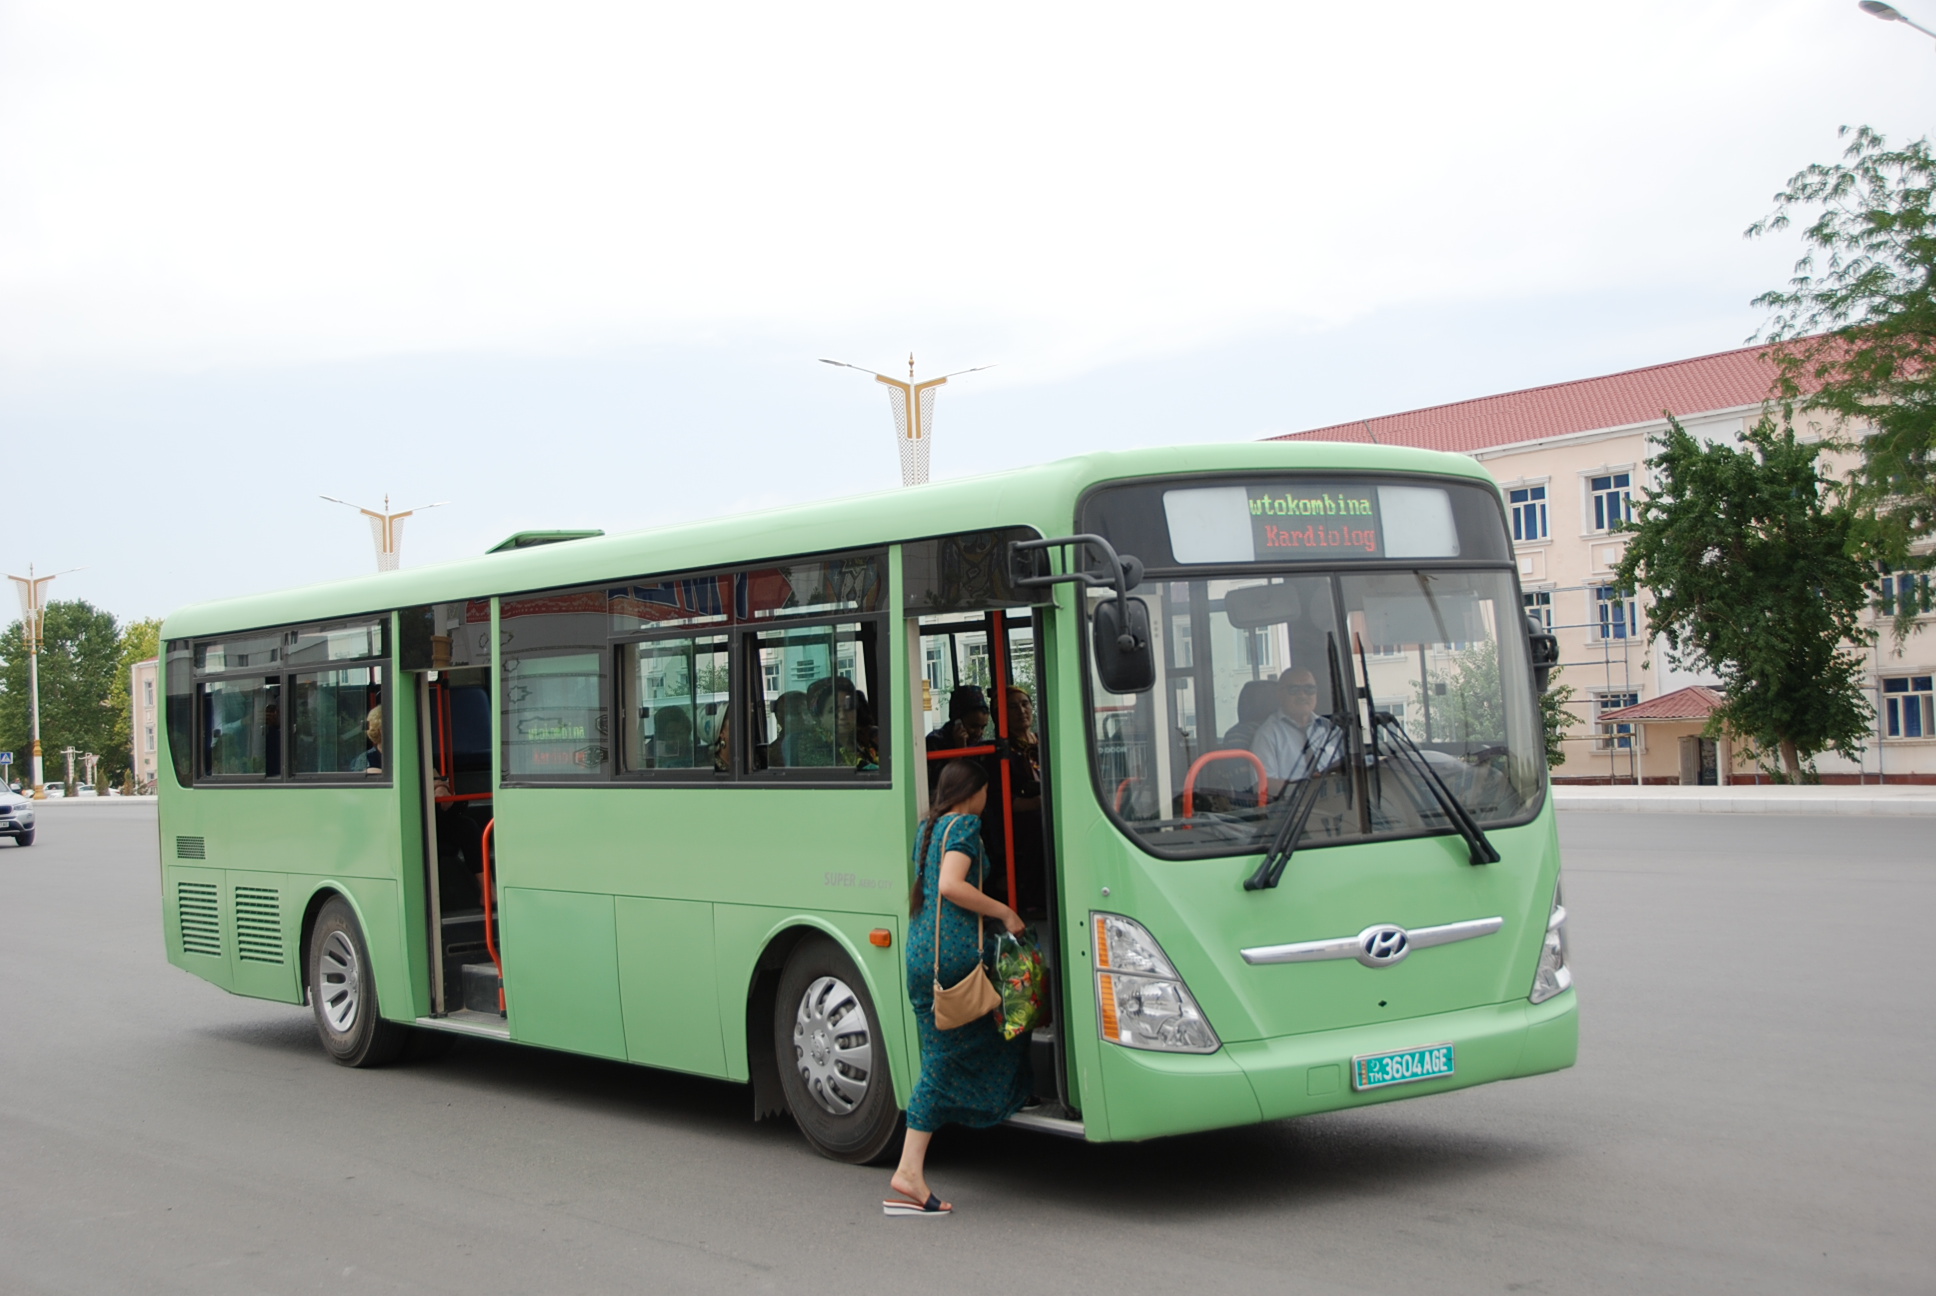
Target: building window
{"points": [[1614, 611], [1528, 512], [147, 692], [1612, 500], [1905, 591], [1613, 735], [1908, 710], [1540, 604], [148, 738]]}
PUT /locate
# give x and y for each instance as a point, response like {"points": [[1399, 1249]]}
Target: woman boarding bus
{"points": [[1290, 850]]}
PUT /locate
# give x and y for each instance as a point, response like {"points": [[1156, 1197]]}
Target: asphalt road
{"points": [[1754, 1110]]}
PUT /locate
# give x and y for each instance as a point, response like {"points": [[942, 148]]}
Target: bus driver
{"points": [[1296, 742]]}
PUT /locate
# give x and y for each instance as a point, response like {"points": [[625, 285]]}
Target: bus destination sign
{"points": [[1315, 520]]}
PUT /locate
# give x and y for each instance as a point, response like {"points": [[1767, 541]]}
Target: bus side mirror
{"points": [[1545, 652], [1125, 657]]}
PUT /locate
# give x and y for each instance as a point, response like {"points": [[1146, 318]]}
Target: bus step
{"points": [[481, 984], [1049, 1118]]}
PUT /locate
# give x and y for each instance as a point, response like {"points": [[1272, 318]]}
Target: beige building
{"points": [[143, 684], [1571, 458]]}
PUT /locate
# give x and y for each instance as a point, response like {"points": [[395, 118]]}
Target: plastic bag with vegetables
{"points": [[1022, 978]]}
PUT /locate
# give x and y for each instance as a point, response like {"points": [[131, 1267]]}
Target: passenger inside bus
{"points": [[371, 761], [460, 852], [967, 720], [790, 717], [671, 738], [1025, 765]]}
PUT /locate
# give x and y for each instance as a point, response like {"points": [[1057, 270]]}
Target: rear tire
{"points": [[827, 1043], [342, 992]]}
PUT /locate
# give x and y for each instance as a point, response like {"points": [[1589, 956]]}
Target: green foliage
{"points": [[1857, 332], [1556, 718], [79, 653], [1472, 708], [139, 641], [1757, 576]]}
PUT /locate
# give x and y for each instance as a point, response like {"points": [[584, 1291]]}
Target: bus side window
{"points": [[815, 684]]}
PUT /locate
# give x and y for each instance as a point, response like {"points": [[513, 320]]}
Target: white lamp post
{"points": [[913, 406], [386, 528], [1889, 13], [33, 611]]}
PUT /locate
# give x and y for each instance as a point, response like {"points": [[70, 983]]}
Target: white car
{"points": [[17, 818]]}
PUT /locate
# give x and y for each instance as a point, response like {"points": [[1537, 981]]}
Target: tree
{"points": [[1856, 335], [139, 641], [1757, 575], [1472, 708], [1556, 719], [79, 652]]}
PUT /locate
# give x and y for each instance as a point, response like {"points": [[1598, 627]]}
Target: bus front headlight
{"points": [[1140, 1000], [1553, 975]]}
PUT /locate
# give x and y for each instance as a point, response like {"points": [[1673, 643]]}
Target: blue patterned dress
{"points": [[969, 1075]]}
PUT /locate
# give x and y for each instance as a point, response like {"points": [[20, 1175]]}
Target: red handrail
{"points": [[949, 753], [998, 627], [1190, 779], [490, 941]]}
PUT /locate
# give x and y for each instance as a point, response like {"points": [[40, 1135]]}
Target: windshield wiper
{"points": [[1303, 801], [1483, 851], [1284, 841]]}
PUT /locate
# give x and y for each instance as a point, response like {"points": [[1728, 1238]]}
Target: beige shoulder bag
{"points": [[974, 996]]}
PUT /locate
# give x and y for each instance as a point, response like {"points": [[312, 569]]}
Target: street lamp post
{"points": [[33, 610], [1889, 13], [386, 528], [913, 406]]}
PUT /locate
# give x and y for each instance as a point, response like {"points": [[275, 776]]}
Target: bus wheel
{"points": [[342, 992], [833, 1063]]}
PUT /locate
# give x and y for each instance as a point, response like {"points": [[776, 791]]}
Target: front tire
{"points": [[828, 1044], [26, 838], [342, 992]]}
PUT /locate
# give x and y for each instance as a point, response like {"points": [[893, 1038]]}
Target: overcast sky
{"points": [[572, 264]]}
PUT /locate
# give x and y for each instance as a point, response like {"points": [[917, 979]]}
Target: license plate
{"points": [[1377, 1070]]}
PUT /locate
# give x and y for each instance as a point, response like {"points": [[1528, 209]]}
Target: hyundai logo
{"points": [[1383, 945]]}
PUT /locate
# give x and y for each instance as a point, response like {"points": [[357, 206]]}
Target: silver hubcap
{"points": [[338, 982], [833, 1045]]}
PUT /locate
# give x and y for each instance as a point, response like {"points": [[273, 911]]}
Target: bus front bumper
{"points": [[1153, 1094]]}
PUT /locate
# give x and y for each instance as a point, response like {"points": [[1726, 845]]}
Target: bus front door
{"points": [[978, 697]]}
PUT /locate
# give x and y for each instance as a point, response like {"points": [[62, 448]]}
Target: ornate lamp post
{"points": [[386, 528], [913, 406], [33, 609]]}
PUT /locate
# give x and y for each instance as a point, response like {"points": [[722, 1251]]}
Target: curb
{"points": [[1776, 804]]}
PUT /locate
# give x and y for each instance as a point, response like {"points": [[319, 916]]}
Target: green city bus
{"points": [[652, 797]]}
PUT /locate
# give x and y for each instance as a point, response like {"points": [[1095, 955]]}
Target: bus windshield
{"points": [[1257, 693]]}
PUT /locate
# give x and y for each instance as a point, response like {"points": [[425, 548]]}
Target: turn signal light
{"points": [[881, 937]]}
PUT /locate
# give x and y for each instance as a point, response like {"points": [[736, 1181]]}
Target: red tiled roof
{"points": [[1685, 387], [1695, 702]]}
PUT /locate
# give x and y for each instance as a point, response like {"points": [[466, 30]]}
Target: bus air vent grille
{"points": [[191, 848], [201, 926], [258, 925]]}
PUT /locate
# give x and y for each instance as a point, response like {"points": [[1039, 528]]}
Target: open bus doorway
{"points": [[992, 659], [466, 979], [445, 648]]}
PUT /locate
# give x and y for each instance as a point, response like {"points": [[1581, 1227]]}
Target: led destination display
{"points": [[1314, 522], [1293, 520]]}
